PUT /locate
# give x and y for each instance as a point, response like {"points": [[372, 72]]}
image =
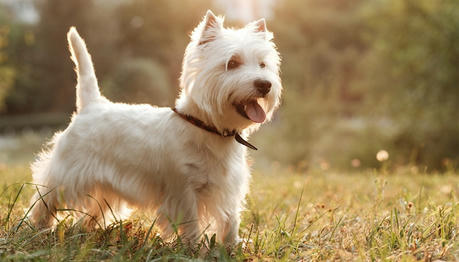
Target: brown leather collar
{"points": [[212, 129]]}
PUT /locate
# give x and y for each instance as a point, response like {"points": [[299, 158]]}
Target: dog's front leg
{"points": [[179, 214], [231, 229]]}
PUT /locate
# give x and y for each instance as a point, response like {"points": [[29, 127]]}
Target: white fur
{"points": [[149, 157]]}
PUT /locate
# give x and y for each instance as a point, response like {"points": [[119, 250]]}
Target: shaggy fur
{"points": [[115, 155]]}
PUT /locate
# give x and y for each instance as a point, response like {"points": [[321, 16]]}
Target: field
{"points": [[309, 216], [313, 216]]}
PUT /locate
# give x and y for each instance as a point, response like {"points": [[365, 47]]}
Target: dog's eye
{"points": [[232, 64], [262, 65]]}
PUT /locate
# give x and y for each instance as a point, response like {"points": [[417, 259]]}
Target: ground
{"points": [[289, 216], [402, 215]]}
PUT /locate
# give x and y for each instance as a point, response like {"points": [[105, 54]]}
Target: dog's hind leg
{"points": [[102, 207], [45, 200], [44, 207], [94, 211]]}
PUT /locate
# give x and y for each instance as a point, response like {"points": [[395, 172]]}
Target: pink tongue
{"points": [[255, 112]]}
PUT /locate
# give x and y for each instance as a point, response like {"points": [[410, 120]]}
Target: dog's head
{"points": [[232, 75]]}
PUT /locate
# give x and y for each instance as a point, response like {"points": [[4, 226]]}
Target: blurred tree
{"points": [[151, 30], [413, 77], [159, 30], [139, 81], [6, 71], [321, 45], [53, 67], [39, 52], [363, 76]]}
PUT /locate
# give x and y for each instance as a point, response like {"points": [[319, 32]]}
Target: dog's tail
{"points": [[87, 87]]}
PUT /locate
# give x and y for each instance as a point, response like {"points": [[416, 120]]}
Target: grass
{"points": [[310, 216]]}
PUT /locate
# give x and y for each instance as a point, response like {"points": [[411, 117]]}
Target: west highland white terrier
{"points": [[188, 164]]}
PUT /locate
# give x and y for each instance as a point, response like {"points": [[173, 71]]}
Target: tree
{"points": [[6, 71], [413, 77]]}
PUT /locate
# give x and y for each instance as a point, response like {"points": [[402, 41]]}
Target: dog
{"points": [[188, 164]]}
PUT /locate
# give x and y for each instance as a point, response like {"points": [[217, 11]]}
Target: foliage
{"points": [[6, 81], [414, 77], [139, 81], [6, 71]]}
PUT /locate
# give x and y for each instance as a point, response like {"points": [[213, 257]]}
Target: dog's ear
{"points": [[259, 26], [209, 28]]}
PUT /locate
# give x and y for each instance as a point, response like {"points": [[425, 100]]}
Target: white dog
{"points": [[187, 164]]}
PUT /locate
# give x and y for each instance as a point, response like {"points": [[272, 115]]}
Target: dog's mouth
{"points": [[251, 110]]}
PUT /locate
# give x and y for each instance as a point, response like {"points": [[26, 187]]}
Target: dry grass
{"points": [[290, 216]]}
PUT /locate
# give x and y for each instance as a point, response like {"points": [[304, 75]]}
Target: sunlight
{"points": [[246, 10]]}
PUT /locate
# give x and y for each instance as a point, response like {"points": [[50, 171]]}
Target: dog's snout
{"points": [[263, 86]]}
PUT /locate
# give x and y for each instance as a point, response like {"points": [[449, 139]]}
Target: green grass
{"points": [[290, 216]]}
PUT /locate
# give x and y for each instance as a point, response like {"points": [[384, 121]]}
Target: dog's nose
{"points": [[263, 86]]}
